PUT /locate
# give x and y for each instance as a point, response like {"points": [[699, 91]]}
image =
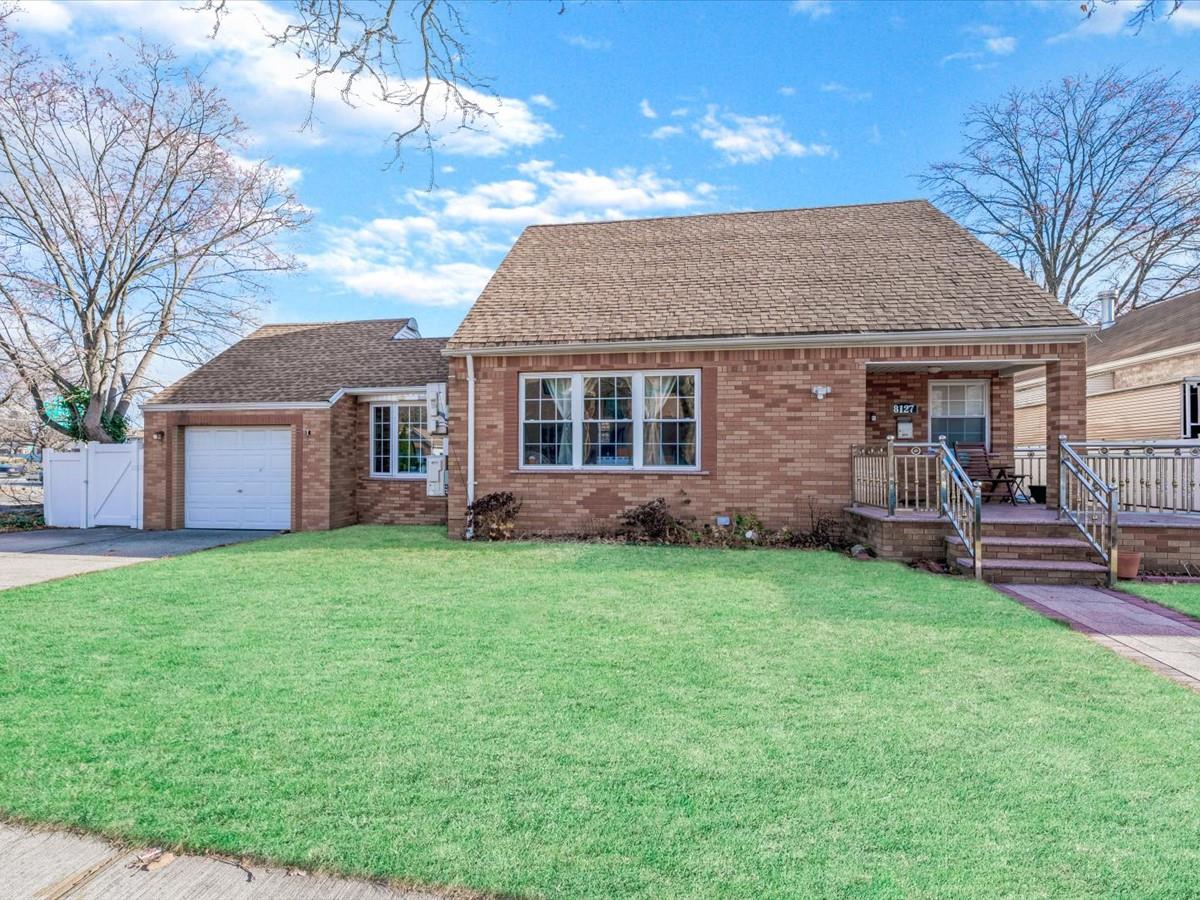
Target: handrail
{"points": [[1089, 503], [1152, 476], [961, 501], [892, 474]]}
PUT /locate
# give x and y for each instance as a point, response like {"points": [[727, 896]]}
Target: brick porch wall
{"points": [[769, 447]]}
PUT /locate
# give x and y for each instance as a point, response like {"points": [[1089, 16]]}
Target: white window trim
{"points": [[987, 404], [1189, 385], [393, 443], [638, 377]]}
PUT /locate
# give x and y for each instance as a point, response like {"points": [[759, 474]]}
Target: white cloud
{"points": [[1185, 18], [647, 109], [585, 42], [268, 84], [547, 195], [814, 9], [787, 91], [848, 93], [663, 132], [543, 101], [1001, 46], [679, 112], [443, 253], [1106, 20], [986, 40], [752, 139], [48, 16]]}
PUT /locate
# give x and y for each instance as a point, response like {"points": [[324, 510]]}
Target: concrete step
{"points": [[1046, 528], [1066, 549], [1036, 571]]}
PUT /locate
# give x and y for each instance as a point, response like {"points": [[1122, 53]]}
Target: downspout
{"points": [[470, 530]]}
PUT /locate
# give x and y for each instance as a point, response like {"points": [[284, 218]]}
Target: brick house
{"points": [[303, 427], [783, 364], [734, 360]]}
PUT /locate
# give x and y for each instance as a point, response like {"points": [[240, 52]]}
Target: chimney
{"points": [[1108, 308]]}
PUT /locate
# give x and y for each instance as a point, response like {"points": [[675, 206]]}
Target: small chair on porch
{"points": [[997, 476]]}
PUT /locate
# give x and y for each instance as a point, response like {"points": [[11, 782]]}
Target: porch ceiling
{"points": [[1000, 366]]}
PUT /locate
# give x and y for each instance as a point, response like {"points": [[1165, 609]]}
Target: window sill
{"points": [[604, 470], [418, 477]]}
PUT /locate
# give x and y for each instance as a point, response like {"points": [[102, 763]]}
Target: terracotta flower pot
{"points": [[1129, 562]]}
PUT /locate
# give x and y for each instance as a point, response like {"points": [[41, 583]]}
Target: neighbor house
{"points": [[303, 427], [1143, 378]]}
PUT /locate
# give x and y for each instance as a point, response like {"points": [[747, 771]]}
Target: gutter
{"points": [[1054, 334]]}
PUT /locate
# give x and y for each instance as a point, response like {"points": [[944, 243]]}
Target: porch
{"points": [[915, 500]]}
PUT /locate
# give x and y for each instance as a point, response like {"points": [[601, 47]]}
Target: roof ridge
{"points": [[739, 212], [334, 322]]}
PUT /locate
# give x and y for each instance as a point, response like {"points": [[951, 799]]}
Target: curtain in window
{"points": [[560, 392], [658, 389]]}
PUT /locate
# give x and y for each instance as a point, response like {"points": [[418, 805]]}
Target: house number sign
{"points": [[904, 409]]}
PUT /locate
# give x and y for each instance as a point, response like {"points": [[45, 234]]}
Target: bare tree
{"points": [[130, 228], [1144, 12], [410, 55], [1091, 182]]}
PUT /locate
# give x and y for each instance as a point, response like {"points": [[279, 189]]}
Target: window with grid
{"points": [[412, 439], [611, 420], [959, 410], [608, 420], [548, 422], [381, 440], [399, 440], [669, 420]]}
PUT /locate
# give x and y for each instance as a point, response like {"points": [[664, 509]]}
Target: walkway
{"points": [[55, 865], [27, 557], [1162, 639]]}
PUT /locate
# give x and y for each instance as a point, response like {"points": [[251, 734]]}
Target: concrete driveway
{"points": [[27, 557]]}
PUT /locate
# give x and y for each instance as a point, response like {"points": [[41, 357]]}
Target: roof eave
{"points": [[1058, 334]]}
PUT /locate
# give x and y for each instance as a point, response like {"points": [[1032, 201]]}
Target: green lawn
{"points": [[1183, 597], [595, 721]]}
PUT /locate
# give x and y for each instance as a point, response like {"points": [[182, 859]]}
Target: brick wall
{"points": [[769, 447], [886, 388], [331, 486], [388, 501], [1174, 550]]}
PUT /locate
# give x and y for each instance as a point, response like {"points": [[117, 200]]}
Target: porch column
{"points": [[1066, 409]]}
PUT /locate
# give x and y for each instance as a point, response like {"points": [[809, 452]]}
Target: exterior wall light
{"points": [[821, 391], [159, 435]]}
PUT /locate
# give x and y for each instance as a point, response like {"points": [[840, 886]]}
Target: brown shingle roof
{"points": [[305, 363], [1159, 326], [883, 267]]}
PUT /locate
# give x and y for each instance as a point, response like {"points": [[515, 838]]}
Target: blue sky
{"points": [[626, 110]]}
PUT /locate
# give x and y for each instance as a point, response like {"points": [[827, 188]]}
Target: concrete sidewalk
{"points": [[28, 557], [56, 865], [1157, 637]]}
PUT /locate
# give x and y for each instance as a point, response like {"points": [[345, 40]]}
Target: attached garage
{"points": [[237, 477]]}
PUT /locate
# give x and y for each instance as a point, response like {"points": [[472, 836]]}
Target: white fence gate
{"points": [[98, 484]]}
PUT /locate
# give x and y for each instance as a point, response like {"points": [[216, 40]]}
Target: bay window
{"points": [[610, 420], [399, 440], [959, 410]]}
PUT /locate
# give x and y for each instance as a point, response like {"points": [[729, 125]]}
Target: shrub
{"points": [[654, 522], [492, 517]]}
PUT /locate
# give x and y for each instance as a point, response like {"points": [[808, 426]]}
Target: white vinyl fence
{"points": [[98, 484]]}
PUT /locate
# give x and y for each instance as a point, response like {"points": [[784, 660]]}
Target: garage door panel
{"points": [[237, 477]]}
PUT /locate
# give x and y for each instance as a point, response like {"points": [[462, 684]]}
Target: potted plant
{"points": [[1129, 563]]}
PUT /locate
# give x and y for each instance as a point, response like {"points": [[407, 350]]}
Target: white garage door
{"points": [[237, 478]]}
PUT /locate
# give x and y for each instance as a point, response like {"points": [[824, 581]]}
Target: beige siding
{"points": [[1029, 425], [1101, 381], [1173, 369], [1149, 413]]}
